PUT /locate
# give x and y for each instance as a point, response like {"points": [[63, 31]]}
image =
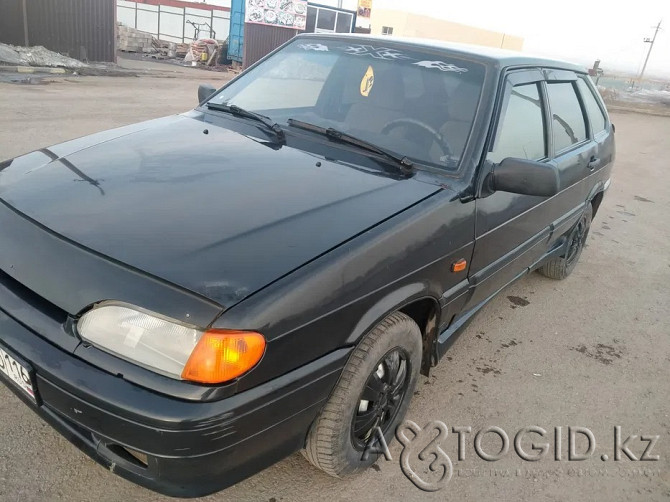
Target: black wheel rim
{"points": [[382, 397], [575, 244]]}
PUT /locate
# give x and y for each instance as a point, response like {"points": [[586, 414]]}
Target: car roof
{"points": [[488, 55]]}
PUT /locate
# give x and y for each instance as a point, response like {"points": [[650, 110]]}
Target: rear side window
{"points": [[596, 115], [522, 131], [567, 118]]}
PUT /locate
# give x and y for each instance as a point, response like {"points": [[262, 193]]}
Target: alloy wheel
{"points": [[381, 398]]}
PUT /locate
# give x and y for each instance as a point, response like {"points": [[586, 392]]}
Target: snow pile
{"points": [[9, 56], [646, 96], [36, 56]]}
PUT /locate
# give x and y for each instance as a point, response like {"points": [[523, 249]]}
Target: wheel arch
{"points": [[416, 302], [596, 200], [596, 196]]}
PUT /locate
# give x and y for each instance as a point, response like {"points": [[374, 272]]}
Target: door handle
{"points": [[593, 163]]}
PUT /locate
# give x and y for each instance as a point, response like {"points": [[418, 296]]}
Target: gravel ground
{"points": [[590, 351]]}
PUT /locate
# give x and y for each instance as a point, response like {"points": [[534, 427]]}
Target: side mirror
{"points": [[525, 177], [205, 91]]}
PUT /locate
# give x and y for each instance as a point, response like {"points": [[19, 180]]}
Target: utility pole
{"points": [[651, 46]]}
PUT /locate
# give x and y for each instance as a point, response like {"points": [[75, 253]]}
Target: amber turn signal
{"points": [[222, 355], [459, 266]]}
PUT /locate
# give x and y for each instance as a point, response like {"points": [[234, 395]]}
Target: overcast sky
{"points": [[578, 30]]}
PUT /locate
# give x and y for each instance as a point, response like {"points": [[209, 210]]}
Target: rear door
{"points": [[601, 131], [541, 118], [575, 153]]}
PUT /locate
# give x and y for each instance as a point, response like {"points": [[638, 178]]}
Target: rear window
{"points": [[568, 123], [596, 115]]}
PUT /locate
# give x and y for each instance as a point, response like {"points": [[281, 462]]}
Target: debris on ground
{"points": [[182, 50], [205, 52], [36, 56], [164, 49], [132, 40]]}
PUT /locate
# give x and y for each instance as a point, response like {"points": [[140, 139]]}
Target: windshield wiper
{"points": [[241, 112], [405, 165]]}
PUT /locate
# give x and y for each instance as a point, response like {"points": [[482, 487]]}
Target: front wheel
{"points": [[561, 267], [375, 389]]}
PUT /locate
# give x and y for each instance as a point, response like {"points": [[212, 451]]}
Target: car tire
{"points": [[332, 444], [561, 267]]}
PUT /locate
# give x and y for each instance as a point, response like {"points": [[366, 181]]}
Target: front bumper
{"points": [[175, 447]]}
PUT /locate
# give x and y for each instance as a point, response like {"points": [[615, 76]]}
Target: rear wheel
{"points": [[374, 390], [561, 267]]}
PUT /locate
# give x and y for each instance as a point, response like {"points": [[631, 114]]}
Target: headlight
{"points": [[168, 347]]}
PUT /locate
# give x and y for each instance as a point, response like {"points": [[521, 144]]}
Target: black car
{"points": [[190, 299]]}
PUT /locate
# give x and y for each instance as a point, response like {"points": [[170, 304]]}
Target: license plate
{"points": [[17, 372]]}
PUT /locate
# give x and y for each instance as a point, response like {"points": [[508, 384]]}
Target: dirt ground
{"points": [[591, 351]]}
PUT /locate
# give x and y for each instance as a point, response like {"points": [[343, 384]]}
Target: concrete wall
{"points": [[169, 20], [406, 24]]}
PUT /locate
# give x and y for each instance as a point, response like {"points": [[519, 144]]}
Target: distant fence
{"points": [[82, 29], [171, 20]]}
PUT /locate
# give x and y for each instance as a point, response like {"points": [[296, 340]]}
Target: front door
{"points": [[510, 234]]}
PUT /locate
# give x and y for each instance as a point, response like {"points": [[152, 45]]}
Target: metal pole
{"points": [[651, 46], [25, 24]]}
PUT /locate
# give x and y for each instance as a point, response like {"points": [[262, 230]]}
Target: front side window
{"points": [[412, 102], [521, 133], [568, 123], [598, 120]]}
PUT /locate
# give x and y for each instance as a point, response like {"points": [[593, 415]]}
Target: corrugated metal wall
{"points": [[260, 40], [77, 28], [11, 22]]}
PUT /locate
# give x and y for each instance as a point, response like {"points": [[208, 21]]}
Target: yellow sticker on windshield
{"points": [[367, 82]]}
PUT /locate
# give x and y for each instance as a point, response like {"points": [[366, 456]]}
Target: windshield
{"points": [[415, 103]]}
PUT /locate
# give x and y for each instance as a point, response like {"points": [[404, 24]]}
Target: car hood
{"points": [[217, 213]]}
